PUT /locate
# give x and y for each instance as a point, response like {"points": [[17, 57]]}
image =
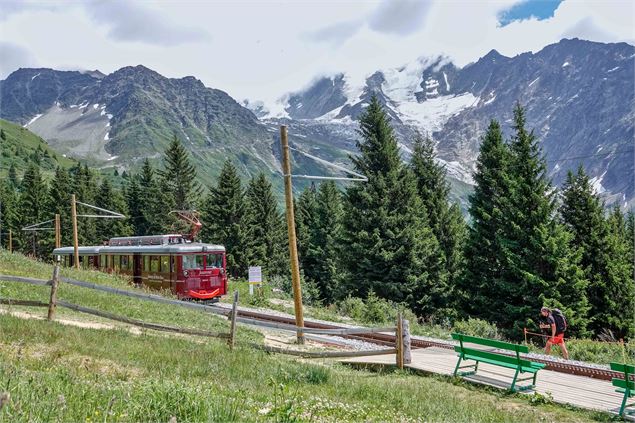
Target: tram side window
{"points": [[165, 264], [125, 262], [192, 262], [154, 263], [116, 262], [146, 263]]}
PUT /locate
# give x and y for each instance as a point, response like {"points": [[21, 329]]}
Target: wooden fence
{"points": [[402, 338]]}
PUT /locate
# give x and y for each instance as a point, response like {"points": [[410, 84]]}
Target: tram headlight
{"points": [[185, 273]]}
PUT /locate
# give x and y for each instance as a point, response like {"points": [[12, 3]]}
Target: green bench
{"points": [[514, 361], [626, 385]]}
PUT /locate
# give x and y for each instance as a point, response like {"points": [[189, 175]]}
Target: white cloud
{"points": [[261, 50]]}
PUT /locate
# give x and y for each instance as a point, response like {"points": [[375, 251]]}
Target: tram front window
{"points": [[214, 261], [192, 262]]}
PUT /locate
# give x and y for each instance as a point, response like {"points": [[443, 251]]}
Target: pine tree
{"points": [[265, 229], [306, 224], [386, 246], [8, 211], [133, 199], [179, 176], [325, 240], [13, 175], [59, 202], [3, 136], [479, 292], [445, 220], [32, 208], [223, 215], [619, 293], [111, 199], [540, 266], [84, 185]]}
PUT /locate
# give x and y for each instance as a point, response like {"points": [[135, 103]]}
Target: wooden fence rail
{"points": [[400, 349]]}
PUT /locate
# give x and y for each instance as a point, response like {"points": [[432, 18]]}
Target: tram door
{"points": [[138, 264]]}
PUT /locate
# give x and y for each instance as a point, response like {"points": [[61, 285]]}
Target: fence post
{"points": [[405, 325], [232, 333], [54, 284], [399, 341]]}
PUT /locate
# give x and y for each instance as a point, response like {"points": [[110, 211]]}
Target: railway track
{"points": [[416, 343]]}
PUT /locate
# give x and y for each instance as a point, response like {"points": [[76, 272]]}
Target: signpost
{"points": [[255, 278]]}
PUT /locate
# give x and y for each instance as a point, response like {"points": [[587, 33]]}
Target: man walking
{"points": [[557, 325]]}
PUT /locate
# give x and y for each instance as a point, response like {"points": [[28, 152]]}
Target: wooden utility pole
{"points": [[399, 341], [234, 315], [75, 241], [58, 235], [293, 247]]}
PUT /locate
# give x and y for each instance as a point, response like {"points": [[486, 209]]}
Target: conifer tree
{"points": [[619, 292], [387, 246], [179, 176], [265, 230], [306, 224], [223, 215], [32, 208], [111, 199], [479, 294], [540, 267], [59, 202], [325, 240], [445, 220], [84, 185], [13, 175], [8, 211], [132, 192]]}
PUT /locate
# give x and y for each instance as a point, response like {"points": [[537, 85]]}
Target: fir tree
{"points": [[13, 175], [619, 292], [3, 136], [479, 293], [32, 208], [59, 202], [306, 224], [133, 199], [325, 239], [265, 229], [179, 176], [540, 268], [110, 199], [84, 185], [446, 221], [223, 215], [386, 246], [8, 211]]}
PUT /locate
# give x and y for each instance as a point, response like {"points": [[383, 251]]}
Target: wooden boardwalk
{"points": [[579, 391]]}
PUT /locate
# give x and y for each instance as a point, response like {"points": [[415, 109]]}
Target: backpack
{"points": [[561, 321]]}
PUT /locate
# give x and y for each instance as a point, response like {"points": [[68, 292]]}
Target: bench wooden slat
{"points": [[624, 368], [490, 343], [502, 364], [621, 383], [498, 358]]}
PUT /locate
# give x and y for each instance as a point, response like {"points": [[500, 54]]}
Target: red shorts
{"points": [[558, 339]]}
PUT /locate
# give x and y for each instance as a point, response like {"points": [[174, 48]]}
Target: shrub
{"points": [[378, 310], [477, 327], [352, 307]]}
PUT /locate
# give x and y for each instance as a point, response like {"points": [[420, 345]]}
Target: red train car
{"points": [[191, 270]]}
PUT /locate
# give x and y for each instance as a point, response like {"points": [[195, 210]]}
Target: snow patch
{"points": [[35, 76], [447, 85], [106, 137], [32, 120], [565, 64], [109, 116], [95, 106], [433, 113], [103, 112], [533, 82], [596, 183], [613, 70], [112, 158], [491, 99]]}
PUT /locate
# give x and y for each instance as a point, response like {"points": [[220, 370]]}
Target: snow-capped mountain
{"points": [[579, 97]]}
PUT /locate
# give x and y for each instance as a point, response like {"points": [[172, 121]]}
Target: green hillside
{"points": [[20, 147], [80, 368]]}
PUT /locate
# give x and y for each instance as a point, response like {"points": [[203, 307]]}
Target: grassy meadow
{"points": [[51, 371]]}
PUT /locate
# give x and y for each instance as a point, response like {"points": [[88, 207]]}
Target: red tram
{"points": [[191, 270]]}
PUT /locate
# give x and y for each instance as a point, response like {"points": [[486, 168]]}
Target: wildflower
{"points": [[4, 399], [172, 419], [264, 411]]}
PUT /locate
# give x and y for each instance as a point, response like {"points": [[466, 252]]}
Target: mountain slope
{"points": [[579, 97]]}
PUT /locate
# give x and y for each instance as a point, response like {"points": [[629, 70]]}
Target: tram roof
{"points": [[193, 247]]}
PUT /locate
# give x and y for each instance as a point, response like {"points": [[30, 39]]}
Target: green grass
{"points": [[57, 372], [21, 147]]}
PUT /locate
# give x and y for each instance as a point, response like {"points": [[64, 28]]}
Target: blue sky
{"points": [[539, 9]]}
